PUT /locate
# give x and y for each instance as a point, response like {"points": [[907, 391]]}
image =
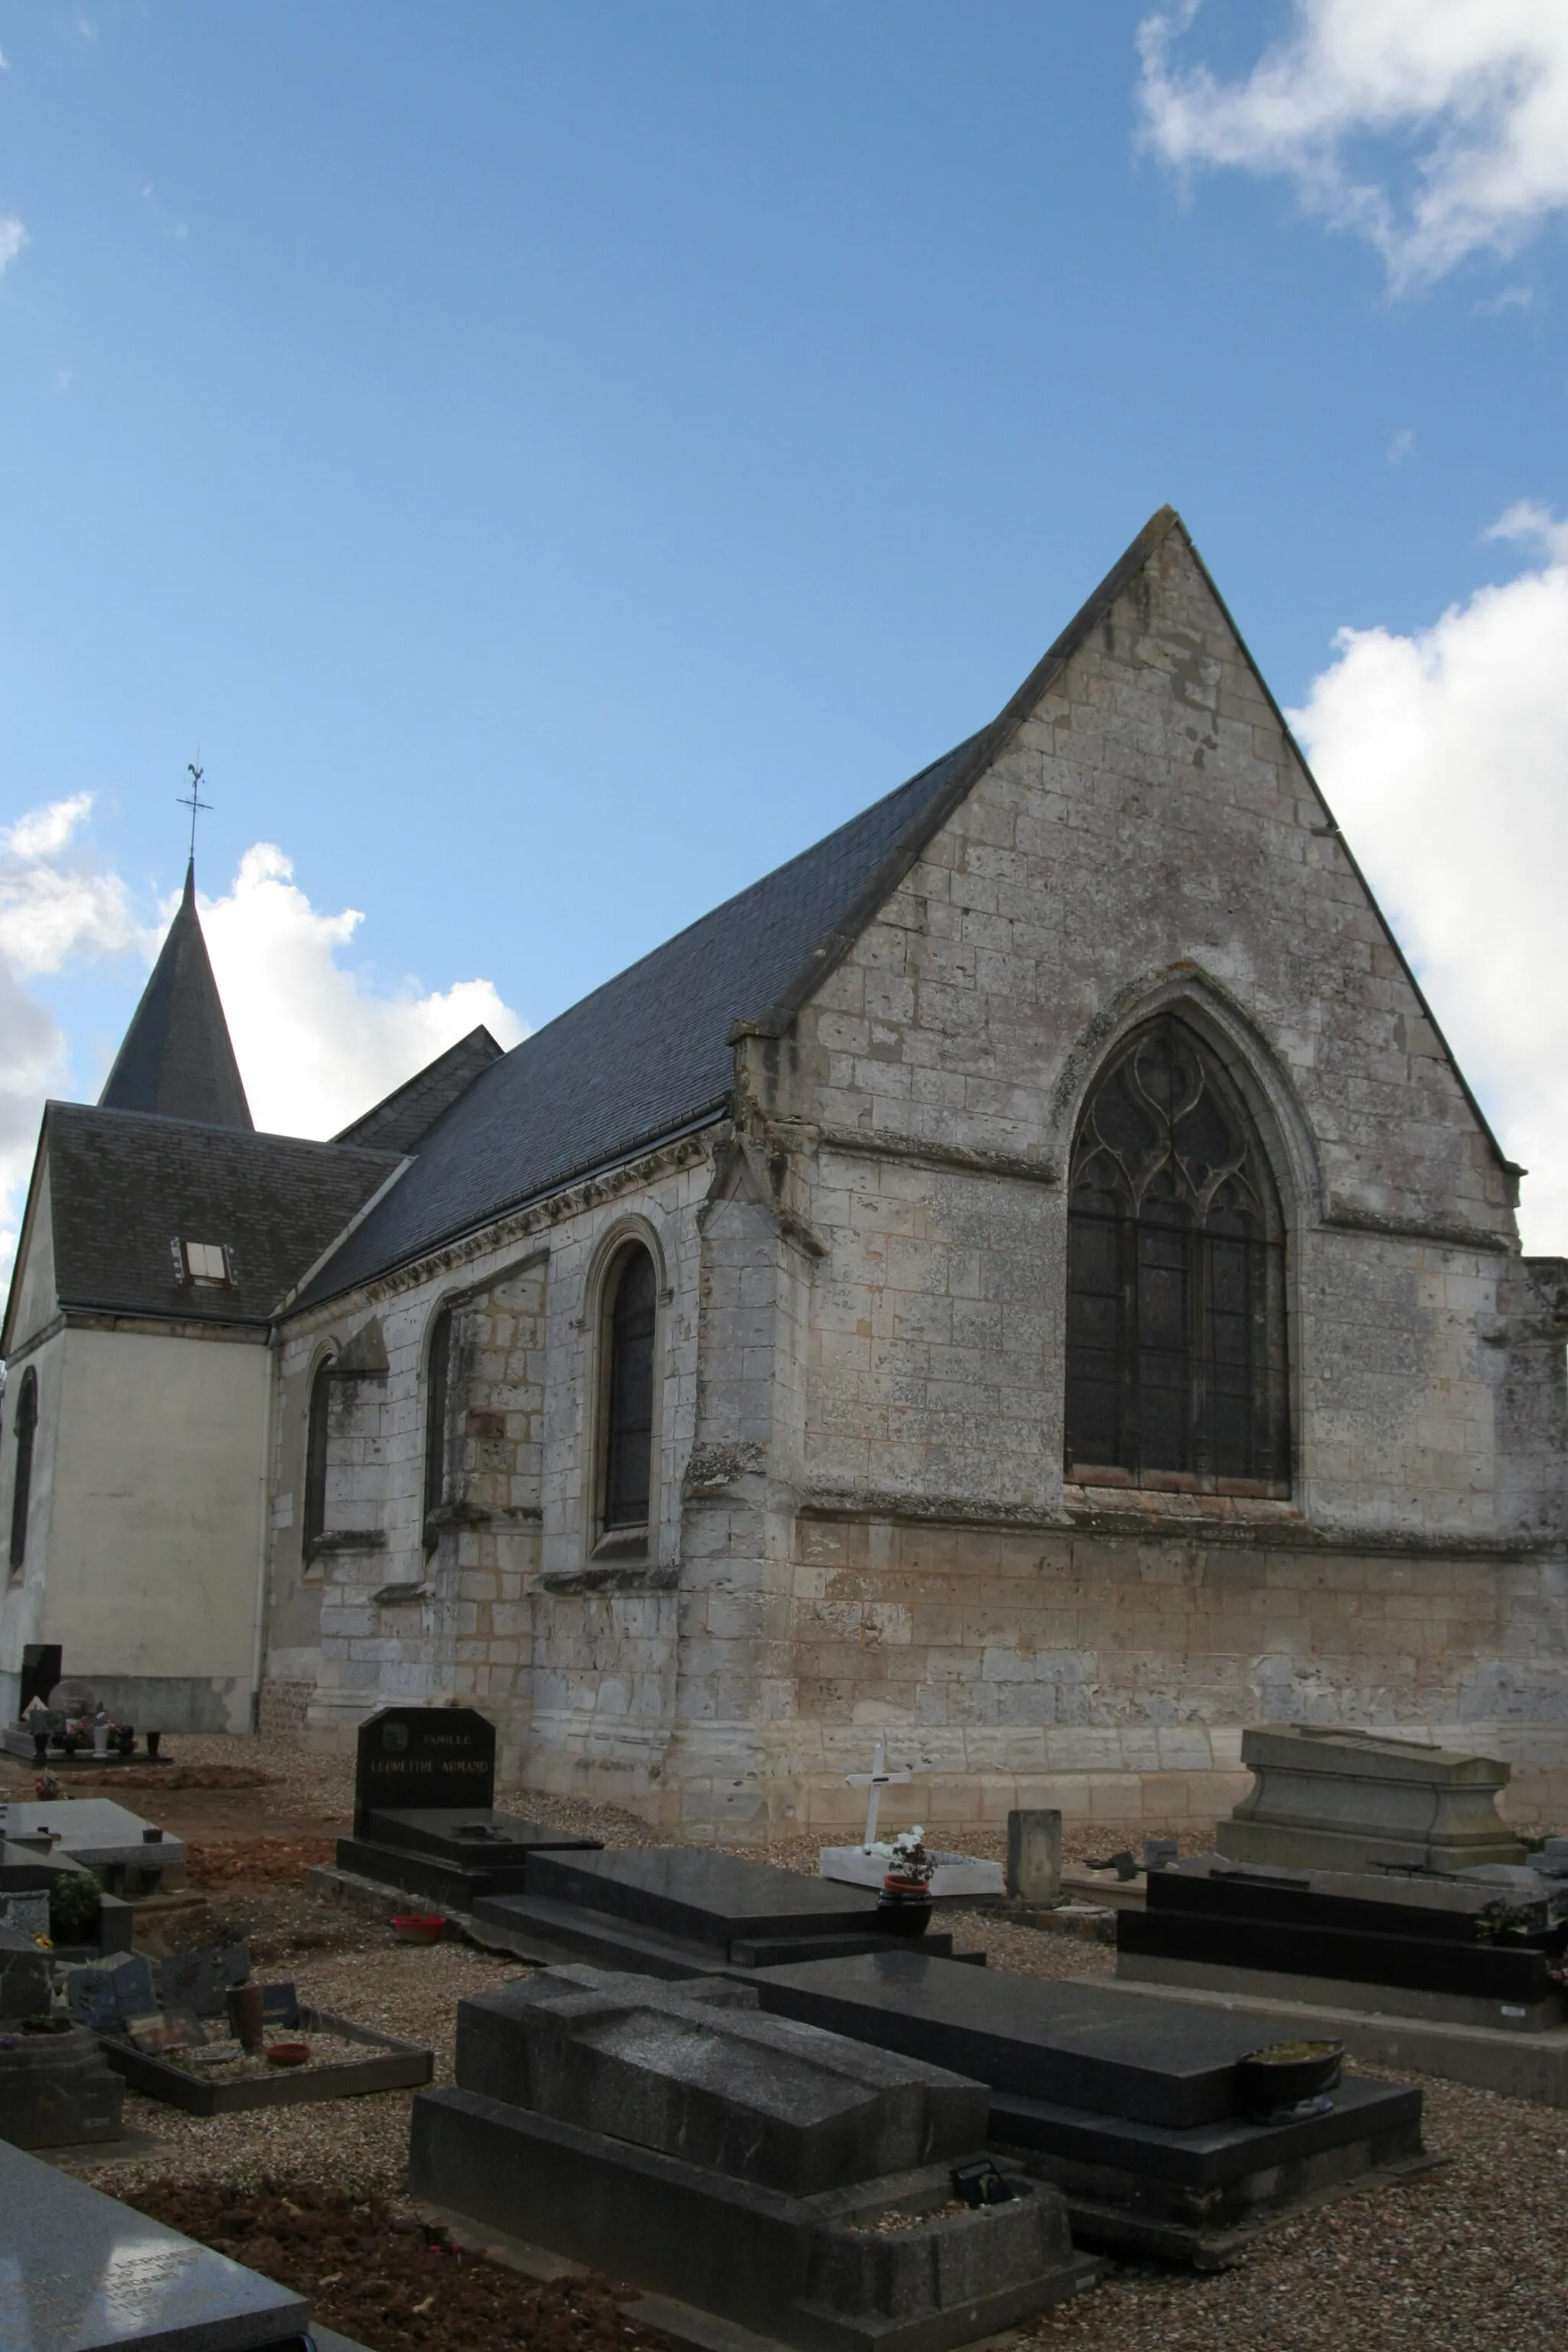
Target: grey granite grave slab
{"points": [[81, 2273], [563, 1931], [1137, 2118], [1081, 2045], [94, 1831], [1339, 1799], [699, 2072], [469, 1837], [693, 1891]]}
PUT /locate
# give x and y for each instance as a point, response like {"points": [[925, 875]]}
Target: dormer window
{"points": [[203, 1262]]}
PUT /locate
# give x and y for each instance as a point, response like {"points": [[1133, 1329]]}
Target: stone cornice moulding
{"points": [[886, 1144], [1249, 1526], [1344, 1217]]}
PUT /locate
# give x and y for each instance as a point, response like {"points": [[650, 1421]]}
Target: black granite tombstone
{"points": [[1134, 2107], [425, 1757], [1455, 1941], [676, 1911]]}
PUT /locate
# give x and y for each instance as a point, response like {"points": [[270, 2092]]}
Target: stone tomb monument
{"points": [[685, 1911], [673, 2136], [1333, 1800], [81, 2273], [1139, 2110], [425, 1818]]}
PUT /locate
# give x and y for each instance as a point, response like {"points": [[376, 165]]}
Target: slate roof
{"points": [[403, 1117], [123, 1186], [644, 1055], [176, 1058]]}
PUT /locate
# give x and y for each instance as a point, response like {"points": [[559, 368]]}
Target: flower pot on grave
{"points": [[124, 1740], [40, 1747], [245, 2015], [153, 1739], [101, 1738], [904, 1905]]}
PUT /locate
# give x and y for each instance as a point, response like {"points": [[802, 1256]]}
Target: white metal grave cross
{"points": [[874, 1781]]}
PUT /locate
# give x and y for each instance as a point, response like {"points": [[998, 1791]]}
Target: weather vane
{"points": [[194, 802]]}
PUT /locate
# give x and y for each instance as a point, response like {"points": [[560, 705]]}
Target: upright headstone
{"points": [[1035, 1855], [41, 1670], [424, 1756]]}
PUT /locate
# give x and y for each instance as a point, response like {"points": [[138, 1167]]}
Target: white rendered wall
{"points": [[152, 1567]]}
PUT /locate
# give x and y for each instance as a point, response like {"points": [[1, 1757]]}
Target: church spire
{"points": [[177, 1059]]}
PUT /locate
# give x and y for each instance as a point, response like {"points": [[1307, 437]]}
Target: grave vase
{"points": [[904, 1905]]}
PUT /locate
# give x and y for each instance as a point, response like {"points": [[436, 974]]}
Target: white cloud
{"points": [[13, 237], [1467, 100], [316, 1044], [1445, 756], [54, 908]]}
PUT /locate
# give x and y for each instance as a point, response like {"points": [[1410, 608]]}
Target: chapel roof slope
{"points": [[176, 1060], [401, 1118], [125, 1187], [644, 1055]]}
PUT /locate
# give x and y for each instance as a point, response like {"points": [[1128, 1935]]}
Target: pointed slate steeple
{"points": [[176, 1059]]}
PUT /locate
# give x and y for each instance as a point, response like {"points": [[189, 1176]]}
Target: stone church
{"points": [[1025, 1282]]}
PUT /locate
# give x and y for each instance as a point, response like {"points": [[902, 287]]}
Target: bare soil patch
{"points": [[368, 2271]]}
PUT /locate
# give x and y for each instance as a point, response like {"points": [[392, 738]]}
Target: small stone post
{"points": [[1034, 1856]]}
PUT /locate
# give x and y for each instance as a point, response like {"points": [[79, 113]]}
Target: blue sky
{"points": [[550, 463]]}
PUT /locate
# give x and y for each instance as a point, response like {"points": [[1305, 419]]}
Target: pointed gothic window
{"points": [[1176, 1339], [316, 1457], [22, 1486], [436, 1380], [628, 1407]]}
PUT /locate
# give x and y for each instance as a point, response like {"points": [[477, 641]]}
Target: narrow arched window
{"points": [[1176, 1328], [438, 1379], [315, 1524], [22, 1486], [629, 1392]]}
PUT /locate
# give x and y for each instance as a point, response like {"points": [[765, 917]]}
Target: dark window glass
{"points": [[1175, 1356], [316, 1457], [438, 1379], [22, 1489], [628, 1431]]}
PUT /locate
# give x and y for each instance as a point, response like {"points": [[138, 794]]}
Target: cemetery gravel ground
{"points": [[1471, 2258]]}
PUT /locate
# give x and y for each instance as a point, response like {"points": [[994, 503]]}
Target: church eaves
{"points": [[176, 1060]]}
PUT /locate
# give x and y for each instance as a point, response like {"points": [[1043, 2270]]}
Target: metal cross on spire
{"points": [[193, 801]]}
